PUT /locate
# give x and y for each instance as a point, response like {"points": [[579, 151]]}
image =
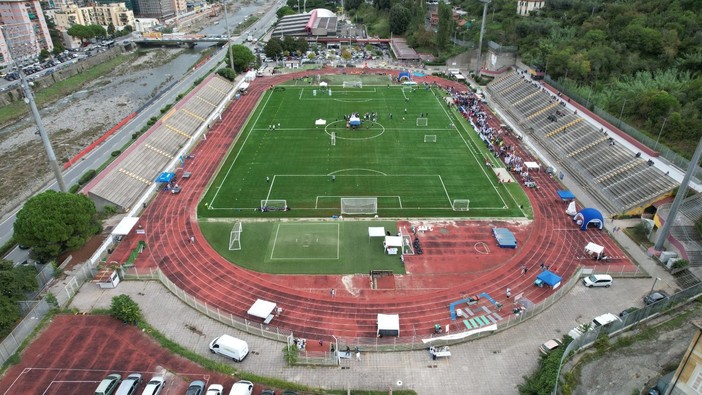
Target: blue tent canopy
{"points": [[566, 195], [404, 75], [587, 216], [549, 278], [165, 177]]}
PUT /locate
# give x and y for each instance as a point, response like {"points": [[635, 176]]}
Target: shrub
{"points": [[74, 188], [152, 121], [680, 263], [166, 108], [125, 309], [87, 176], [290, 353], [116, 153]]}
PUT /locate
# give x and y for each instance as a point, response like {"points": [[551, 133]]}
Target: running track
{"points": [[449, 270]]}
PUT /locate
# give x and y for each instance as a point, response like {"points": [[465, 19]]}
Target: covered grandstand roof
{"points": [[318, 22], [402, 51]]}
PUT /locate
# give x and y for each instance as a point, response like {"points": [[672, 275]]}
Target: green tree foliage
{"points": [[15, 282], [399, 19], [382, 4], [125, 309], [80, 32], [284, 10], [446, 25], [542, 381], [273, 48], [44, 54], [53, 222], [98, 31], [111, 29], [352, 4], [243, 57], [227, 73], [301, 45]]}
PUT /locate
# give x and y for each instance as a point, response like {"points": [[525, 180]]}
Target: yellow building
{"points": [[688, 377], [99, 14]]}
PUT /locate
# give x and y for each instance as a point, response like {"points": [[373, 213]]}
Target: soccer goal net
{"points": [[430, 138], [366, 205], [461, 205], [235, 237], [274, 205], [353, 84], [422, 121]]}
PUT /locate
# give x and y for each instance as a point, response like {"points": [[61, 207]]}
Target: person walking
{"points": [[332, 292], [333, 178], [192, 239], [509, 293], [268, 179]]}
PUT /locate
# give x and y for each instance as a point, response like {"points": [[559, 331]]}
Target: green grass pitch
{"points": [[388, 159]]}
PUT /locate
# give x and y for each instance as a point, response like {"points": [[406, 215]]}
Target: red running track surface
{"points": [[461, 257]]}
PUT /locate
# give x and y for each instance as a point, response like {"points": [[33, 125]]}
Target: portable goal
{"points": [[461, 205], [422, 121], [359, 206], [430, 138], [235, 237], [353, 84], [274, 205]]}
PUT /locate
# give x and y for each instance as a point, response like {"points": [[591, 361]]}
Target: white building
{"points": [[524, 7]]}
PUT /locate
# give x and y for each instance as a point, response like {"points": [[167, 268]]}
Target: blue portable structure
{"points": [[165, 177], [549, 278], [505, 238], [589, 216], [565, 195], [404, 75]]}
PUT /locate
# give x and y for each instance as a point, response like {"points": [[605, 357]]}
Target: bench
{"points": [[467, 324], [268, 319]]}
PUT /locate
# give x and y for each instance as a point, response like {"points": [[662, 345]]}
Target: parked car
{"points": [[655, 297], [196, 388], [549, 346], [268, 392], [108, 385], [154, 386], [598, 280], [129, 385], [242, 387], [215, 389], [627, 311]]}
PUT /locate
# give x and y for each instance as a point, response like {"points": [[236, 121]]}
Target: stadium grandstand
{"points": [[319, 22], [621, 180]]}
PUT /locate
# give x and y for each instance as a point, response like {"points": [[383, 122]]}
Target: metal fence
{"points": [[631, 319], [12, 342], [406, 343]]}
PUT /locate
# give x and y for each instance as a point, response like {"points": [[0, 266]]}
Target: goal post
{"points": [[461, 204], [274, 205], [352, 84], [235, 237], [422, 121], [430, 138], [359, 206]]}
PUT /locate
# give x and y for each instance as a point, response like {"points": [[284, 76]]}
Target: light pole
{"points": [[482, 33], [659, 133], [229, 36], [654, 284], [29, 99], [621, 113]]}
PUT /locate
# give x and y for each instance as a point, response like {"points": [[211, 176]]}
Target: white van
{"points": [[230, 347]]}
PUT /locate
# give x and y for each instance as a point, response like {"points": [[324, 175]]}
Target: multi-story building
{"points": [[159, 9], [116, 14], [25, 33], [524, 7]]}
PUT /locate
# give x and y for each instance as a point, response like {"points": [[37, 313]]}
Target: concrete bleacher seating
{"points": [[129, 178], [623, 181]]}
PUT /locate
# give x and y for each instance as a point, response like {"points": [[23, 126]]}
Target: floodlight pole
{"points": [[482, 33], [29, 99], [229, 36]]}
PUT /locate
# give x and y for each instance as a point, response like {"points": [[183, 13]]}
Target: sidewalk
{"points": [[491, 365]]}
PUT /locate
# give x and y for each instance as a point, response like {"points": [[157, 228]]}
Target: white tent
{"points": [[595, 251], [262, 308], [571, 210], [320, 122], [243, 86], [125, 226], [388, 325], [322, 83], [376, 231], [532, 166], [392, 244]]}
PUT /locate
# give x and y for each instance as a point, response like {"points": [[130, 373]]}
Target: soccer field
{"points": [[412, 157]]}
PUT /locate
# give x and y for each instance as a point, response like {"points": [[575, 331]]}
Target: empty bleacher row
{"points": [[685, 230], [133, 174], [619, 179]]}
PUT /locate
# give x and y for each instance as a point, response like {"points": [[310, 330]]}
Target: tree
{"points": [[284, 10], [273, 48], [80, 32], [399, 19], [15, 282], [346, 54], [111, 29], [53, 222], [243, 57], [289, 44], [98, 31], [125, 309], [301, 45], [44, 54], [227, 73], [446, 25]]}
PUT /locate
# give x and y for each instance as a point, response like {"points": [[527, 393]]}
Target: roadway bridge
{"points": [[178, 41]]}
